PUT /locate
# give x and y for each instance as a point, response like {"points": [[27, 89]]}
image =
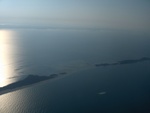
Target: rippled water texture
{"points": [[87, 89]]}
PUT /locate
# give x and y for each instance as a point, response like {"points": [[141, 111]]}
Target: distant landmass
{"points": [[32, 79], [122, 62]]}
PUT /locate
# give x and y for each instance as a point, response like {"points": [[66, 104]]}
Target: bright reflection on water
{"points": [[6, 59]]}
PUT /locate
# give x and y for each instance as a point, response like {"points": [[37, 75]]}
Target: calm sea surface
{"points": [[85, 89]]}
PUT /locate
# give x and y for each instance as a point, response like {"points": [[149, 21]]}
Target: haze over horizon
{"points": [[116, 14], [74, 56]]}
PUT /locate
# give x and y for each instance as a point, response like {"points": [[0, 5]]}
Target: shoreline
{"points": [[5, 90], [36, 79], [19, 88]]}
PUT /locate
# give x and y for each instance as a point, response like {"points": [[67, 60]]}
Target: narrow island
{"points": [[134, 61], [123, 62], [33, 79], [29, 80]]}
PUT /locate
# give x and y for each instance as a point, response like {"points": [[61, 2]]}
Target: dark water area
{"points": [[107, 88], [33, 79]]}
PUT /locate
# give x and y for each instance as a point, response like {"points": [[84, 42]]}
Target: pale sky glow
{"points": [[127, 14]]}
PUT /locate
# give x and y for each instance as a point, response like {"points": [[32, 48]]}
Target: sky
{"points": [[112, 14]]}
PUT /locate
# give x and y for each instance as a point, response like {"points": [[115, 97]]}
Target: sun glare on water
{"points": [[5, 58]]}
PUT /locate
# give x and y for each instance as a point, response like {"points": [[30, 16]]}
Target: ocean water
{"points": [[85, 89]]}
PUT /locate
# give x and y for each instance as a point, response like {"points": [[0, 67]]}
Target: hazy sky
{"points": [[122, 14]]}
